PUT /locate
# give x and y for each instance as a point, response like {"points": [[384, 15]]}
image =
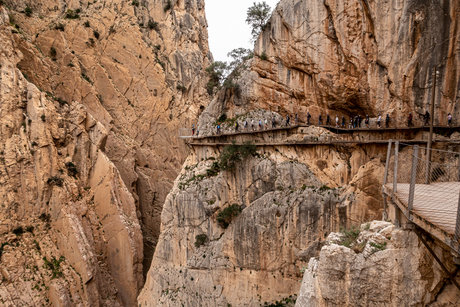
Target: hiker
{"points": [[197, 133], [193, 130], [449, 120], [260, 124], [245, 128], [336, 121], [308, 118], [252, 124], [236, 126], [379, 119], [426, 118], [387, 121], [287, 120], [266, 124], [366, 121], [273, 122], [350, 125], [296, 119], [409, 120], [343, 121], [319, 120], [359, 121], [355, 122], [328, 120], [218, 129]]}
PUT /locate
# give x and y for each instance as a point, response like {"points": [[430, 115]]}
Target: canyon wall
{"points": [[291, 199], [392, 268], [92, 96], [351, 58]]}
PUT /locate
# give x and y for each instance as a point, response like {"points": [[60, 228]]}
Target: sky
{"points": [[227, 28]]}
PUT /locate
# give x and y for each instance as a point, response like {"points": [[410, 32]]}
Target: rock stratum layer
{"points": [[352, 57], [92, 94]]}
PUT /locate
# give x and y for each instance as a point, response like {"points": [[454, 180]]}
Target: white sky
{"points": [[227, 28]]}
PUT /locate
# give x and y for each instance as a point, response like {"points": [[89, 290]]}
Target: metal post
{"points": [[413, 176], [385, 214], [430, 136], [395, 175], [457, 224]]}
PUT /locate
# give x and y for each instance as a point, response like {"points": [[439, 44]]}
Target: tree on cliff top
{"points": [[257, 17], [217, 72]]}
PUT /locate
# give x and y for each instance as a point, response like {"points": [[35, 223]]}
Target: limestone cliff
{"points": [[393, 269], [289, 205], [349, 58], [92, 95]]}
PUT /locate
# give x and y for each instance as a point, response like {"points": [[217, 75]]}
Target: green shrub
{"points": [[135, 3], [222, 118], [225, 216], [87, 25], [214, 170], [349, 236], [71, 169], [54, 266], [30, 229], [28, 11], [71, 15], [61, 101], [96, 34], [18, 231], [153, 25], [86, 77], [45, 217], [168, 6], [231, 154], [378, 247], [181, 88], [59, 27], [200, 240], [43, 117], [263, 56]]}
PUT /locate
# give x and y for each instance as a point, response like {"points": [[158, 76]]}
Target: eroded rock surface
{"points": [[392, 268], [352, 57], [90, 103], [287, 212]]}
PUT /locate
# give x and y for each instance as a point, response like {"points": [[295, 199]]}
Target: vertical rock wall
{"points": [[92, 96], [353, 57]]}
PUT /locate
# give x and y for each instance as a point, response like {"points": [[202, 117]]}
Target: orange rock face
{"points": [[353, 58], [92, 96]]}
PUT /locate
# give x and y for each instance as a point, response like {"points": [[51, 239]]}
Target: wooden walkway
{"points": [[435, 207]]}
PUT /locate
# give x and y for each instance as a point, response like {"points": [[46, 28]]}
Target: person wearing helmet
{"points": [[409, 120], [379, 119], [449, 120]]}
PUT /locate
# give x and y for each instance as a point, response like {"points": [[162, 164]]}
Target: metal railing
{"points": [[434, 184]]}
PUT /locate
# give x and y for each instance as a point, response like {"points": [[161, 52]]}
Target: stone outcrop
{"points": [[288, 208], [393, 268], [349, 58], [91, 97]]}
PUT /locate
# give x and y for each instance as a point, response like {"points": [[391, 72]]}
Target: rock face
{"points": [[91, 97], [393, 269], [287, 212], [350, 58]]}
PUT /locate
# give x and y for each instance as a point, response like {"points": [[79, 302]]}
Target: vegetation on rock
{"points": [[257, 17], [227, 215], [200, 240], [232, 154]]}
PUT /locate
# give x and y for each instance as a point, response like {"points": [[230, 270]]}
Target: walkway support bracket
{"points": [[413, 176], [451, 275]]}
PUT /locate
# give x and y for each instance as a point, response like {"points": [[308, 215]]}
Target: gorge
{"points": [[102, 204]]}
